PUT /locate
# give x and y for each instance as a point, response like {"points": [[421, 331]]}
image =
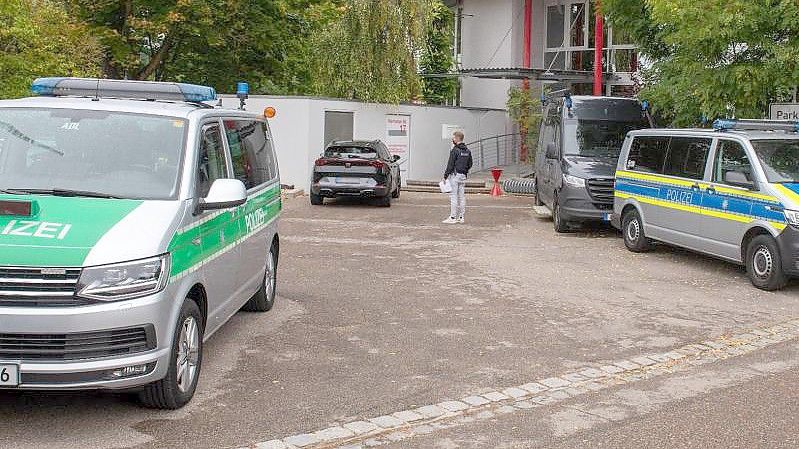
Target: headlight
{"points": [[124, 280], [792, 216], [574, 181]]}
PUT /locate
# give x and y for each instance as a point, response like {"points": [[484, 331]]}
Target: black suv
{"points": [[356, 168]]}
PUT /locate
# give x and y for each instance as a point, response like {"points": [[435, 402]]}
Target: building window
{"points": [[570, 39]]}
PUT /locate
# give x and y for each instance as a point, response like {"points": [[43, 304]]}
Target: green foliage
{"points": [[215, 42], [370, 52], [717, 58], [437, 56], [525, 110], [37, 38]]}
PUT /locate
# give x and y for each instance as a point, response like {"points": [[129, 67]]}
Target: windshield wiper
{"points": [[61, 192]]}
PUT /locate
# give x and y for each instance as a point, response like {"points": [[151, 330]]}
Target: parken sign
{"points": [[784, 111]]}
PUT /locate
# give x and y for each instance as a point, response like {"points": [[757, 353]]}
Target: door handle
{"points": [[711, 190], [695, 187]]}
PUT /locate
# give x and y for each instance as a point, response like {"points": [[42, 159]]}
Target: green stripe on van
{"points": [[196, 243]]}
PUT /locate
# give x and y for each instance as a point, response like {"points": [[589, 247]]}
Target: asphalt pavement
{"points": [[386, 310]]}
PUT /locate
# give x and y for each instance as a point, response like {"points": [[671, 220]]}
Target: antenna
{"points": [[97, 91]]}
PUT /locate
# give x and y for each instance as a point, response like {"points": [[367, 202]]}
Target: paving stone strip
{"points": [[405, 424]]}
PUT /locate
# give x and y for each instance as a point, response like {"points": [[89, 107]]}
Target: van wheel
{"points": [[177, 388], [317, 200], [558, 222], [264, 299], [633, 230], [764, 265], [538, 201]]}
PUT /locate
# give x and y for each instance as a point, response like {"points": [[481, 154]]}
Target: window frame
{"points": [[717, 151], [704, 164], [273, 177], [203, 125]]}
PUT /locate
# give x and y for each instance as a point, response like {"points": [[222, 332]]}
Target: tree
{"points": [[437, 56], [214, 42], [37, 38], [717, 58], [370, 52]]}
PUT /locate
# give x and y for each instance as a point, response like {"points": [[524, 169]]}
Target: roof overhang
{"points": [[580, 76]]}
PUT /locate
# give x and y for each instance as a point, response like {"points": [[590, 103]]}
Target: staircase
{"points": [[432, 187]]}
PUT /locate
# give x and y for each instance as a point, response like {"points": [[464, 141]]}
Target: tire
{"points": [[538, 201], [174, 391], [385, 201], [264, 299], [764, 264], [396, 193], [317, 200], [632, 229], [558, 223]]}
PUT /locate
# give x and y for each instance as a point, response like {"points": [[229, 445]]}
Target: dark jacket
{"points": [[460, 160]]}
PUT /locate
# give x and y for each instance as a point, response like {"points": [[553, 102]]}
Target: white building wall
{"points": [[489, 38], [298, 131]]}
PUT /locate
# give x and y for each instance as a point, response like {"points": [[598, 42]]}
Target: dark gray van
{"points": [[578, 148]]}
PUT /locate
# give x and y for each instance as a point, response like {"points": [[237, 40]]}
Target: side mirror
{"points": [[224, 194], [738, 179], [395, 158], [552, 151]]}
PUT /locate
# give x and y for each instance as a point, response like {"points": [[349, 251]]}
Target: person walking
{"points": [[458, 166]]}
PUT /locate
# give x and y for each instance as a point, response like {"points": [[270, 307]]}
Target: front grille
{"points": [[39, 287], [601, 190], [77, 346]]}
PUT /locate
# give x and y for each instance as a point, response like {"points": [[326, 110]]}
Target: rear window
{"points": [[351, 152], [680, 156], [647, 154]]}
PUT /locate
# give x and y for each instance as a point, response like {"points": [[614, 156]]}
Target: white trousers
{"points": [[457, 198]]}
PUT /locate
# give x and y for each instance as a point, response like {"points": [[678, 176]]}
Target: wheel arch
{"points": [[198, 294], [751, 233]]}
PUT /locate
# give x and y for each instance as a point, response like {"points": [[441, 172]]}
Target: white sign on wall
{"points": [[784, 111], [398, 137], [447, 130]]}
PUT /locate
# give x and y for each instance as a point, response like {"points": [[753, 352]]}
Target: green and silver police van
{"points": [[731, 192], [135, 219]]}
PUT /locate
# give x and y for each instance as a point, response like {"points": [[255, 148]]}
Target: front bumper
{"points": [[92, 373], [788, 243], [577, 205]]}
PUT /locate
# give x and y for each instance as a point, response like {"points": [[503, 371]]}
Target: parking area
{"points": [[386, 310]]}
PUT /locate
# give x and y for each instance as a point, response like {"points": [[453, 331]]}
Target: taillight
{"points": [[378, 165], [320, 162]]}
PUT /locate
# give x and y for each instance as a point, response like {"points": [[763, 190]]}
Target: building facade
{"points": [[545, 36]]}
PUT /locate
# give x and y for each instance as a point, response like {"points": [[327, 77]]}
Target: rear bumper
{"points": [[332, 190]]}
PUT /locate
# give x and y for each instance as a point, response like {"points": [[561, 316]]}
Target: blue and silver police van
{"points": [[731, 192]]}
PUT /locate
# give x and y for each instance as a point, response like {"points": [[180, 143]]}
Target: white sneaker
{"points": [[461, 220], [450, 220]]}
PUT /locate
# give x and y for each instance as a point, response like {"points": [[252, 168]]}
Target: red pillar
{"points": [[599, 40], [526, 61]]}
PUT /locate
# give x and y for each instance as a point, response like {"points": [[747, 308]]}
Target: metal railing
{"points": [[495, 151]]}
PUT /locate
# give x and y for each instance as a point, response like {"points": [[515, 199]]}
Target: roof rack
{"points": [[755, 125], [137, 90]]}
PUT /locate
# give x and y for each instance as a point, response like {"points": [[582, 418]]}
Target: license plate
{"points": [[606, 217], [9, 375], [349, 180]]}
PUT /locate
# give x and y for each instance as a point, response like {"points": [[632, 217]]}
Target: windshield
{"points": [[351, 152], [90, 153], [597, 138], [780, 159]]}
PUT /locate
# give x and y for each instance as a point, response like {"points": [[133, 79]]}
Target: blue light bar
{"points": [[242, 89], [755, 125], [139, 90]]}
